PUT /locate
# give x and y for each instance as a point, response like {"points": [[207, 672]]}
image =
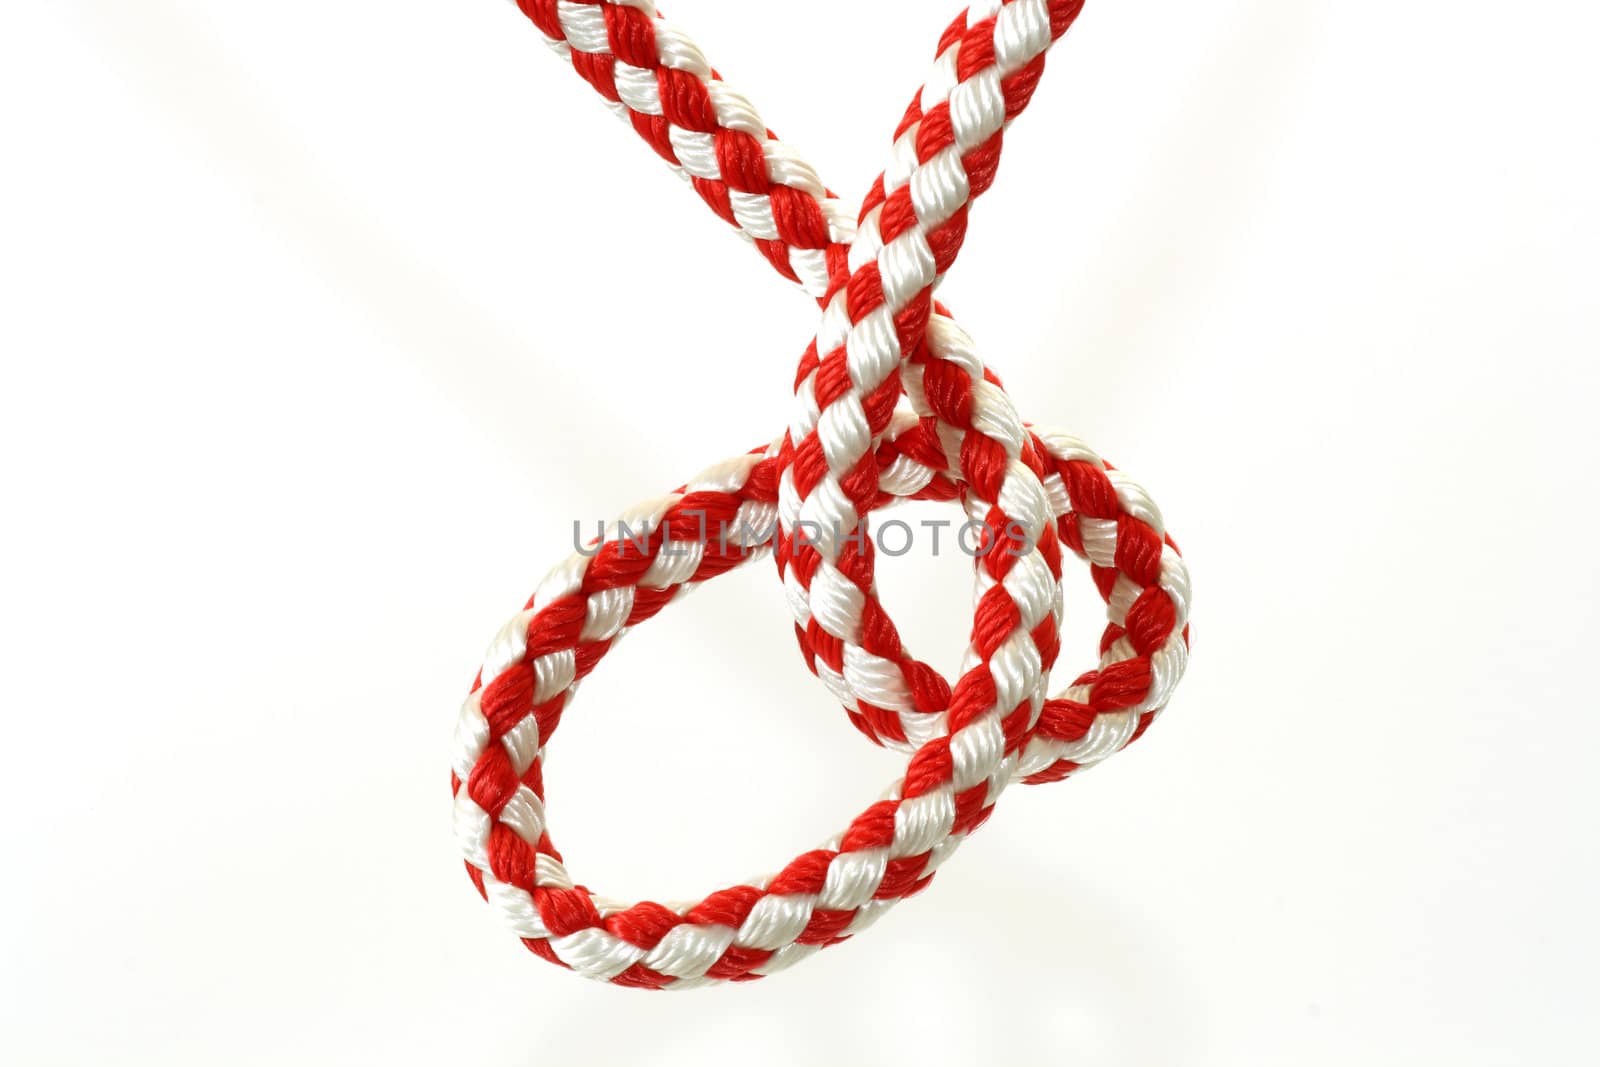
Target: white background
{"points": [[322, 322]]}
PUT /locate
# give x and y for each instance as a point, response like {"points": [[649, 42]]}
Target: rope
{"points": [[891, 403]]}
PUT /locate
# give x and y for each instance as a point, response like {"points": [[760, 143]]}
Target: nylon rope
{"points": [[891, 403]]}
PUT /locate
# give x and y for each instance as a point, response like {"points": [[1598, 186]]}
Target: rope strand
{"points": [[891, 403]]}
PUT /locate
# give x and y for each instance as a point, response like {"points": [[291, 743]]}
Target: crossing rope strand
{"points": [[891, 403]]}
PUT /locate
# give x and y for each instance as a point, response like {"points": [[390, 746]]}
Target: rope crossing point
{"points": [[891, 403]]}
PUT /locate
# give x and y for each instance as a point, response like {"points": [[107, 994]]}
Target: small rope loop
{"points": [[891, 403]]}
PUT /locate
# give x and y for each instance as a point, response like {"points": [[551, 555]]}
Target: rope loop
{"points": [[891, 403]]}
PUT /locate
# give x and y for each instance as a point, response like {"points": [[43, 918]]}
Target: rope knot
{"points": [[891, 403]]}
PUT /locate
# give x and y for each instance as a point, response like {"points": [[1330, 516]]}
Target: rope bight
{"points": [[891, 402]]}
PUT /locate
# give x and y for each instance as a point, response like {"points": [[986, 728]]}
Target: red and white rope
{"points": [[852, 448]]}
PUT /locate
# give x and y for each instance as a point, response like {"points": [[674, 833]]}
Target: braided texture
{"points": [[891, 403]]}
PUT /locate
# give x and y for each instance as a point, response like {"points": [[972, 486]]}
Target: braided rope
{"points": [[850, 450]]}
